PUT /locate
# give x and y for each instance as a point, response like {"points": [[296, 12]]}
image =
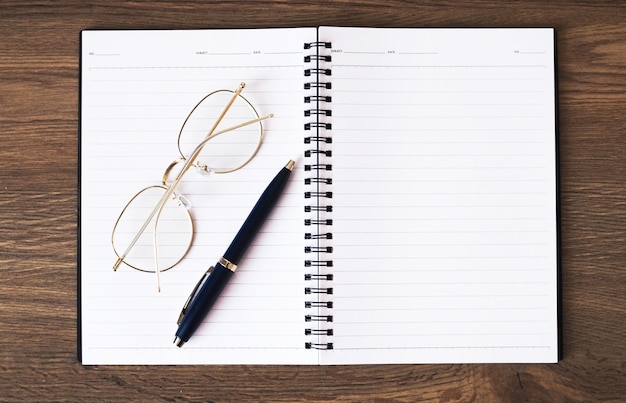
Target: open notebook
{"points": [[420, 224]]}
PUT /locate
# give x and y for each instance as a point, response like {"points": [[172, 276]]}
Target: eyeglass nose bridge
{"points": [[180, 199], [202, 169], [169, 169]]}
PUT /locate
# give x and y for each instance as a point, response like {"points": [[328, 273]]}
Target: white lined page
{"points": [[444, 220], [136, 89], [444, 195]]}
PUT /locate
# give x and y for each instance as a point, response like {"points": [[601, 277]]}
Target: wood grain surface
{"points": [[39, 45]]}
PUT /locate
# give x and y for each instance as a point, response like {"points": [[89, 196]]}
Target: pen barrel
{"points": [[257, 216], [202, 303]]}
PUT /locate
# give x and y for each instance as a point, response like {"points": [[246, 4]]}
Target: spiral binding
{"points": [[318, 221]]}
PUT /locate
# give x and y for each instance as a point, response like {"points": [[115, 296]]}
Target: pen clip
{"points": [[192, 296]]}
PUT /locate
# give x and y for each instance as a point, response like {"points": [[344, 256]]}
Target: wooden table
{"points": [[39, 44]]}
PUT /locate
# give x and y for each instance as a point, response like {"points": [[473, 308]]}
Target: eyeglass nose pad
{"points": [[203, 169], [182, 201]]}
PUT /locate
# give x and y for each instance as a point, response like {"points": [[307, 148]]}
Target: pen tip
{"points": [[179, 342], [290, 164]]}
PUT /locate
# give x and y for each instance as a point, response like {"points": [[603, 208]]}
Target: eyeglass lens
{"points": [[174, 230], [228, 151]]}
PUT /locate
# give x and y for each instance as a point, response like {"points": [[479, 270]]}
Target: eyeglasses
{"points": [[230, 143]]}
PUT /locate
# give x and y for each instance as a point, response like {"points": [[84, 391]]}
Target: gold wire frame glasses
{"points": [[231, 143]]}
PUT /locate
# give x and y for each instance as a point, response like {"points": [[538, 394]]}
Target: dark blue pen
{"points": [[212, 283]]}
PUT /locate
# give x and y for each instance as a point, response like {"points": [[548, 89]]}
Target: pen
{"points": [[214, 280]]}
